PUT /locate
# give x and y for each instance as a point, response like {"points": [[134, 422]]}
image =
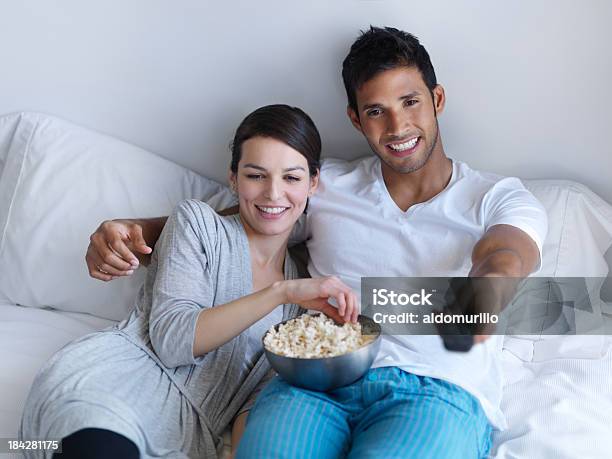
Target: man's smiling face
{"points": [[398, 117]]}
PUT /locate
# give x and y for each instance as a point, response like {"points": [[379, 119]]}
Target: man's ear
{"points": [[354, 118], [439, 99]]}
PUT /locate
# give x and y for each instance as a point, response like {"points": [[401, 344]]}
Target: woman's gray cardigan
{"points": [[201, 260]]}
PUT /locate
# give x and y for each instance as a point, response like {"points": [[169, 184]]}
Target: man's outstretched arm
{"points": [[500, 260], [504, 251], [508, 254]]}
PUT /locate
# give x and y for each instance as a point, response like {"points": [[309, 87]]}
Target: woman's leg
{"points": [[97, 444], [289, 422], [106, 382]]}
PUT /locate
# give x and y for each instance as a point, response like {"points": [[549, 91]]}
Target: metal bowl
{"points": [[327, 373]]}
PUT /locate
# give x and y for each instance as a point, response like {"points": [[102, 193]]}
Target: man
{"points": [[407, 211]]}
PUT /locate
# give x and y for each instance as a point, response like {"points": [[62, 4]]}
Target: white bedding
{"points": [[558, 408], [28, 337]]}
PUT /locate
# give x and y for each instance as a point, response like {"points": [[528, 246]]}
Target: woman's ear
{"points": [[231, 179], [314, 183]]}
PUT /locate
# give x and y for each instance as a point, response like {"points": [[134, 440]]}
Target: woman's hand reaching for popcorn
{"points": [[316, 294]]}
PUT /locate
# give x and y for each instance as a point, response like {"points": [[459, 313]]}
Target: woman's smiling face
{"points": [[273, 184]]}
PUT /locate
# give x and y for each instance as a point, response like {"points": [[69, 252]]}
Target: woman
{"points": [[170, 378]]}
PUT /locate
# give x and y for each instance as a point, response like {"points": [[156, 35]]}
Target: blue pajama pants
{"points": [[387, 414]]}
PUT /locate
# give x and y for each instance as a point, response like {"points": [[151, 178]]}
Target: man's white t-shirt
{"points": [[354, 229]]}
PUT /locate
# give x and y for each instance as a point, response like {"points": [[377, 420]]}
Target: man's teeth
{"points": [[404, 146], [272, 210]]}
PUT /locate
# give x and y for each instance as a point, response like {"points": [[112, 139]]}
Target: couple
{"points": [[188, 361]]}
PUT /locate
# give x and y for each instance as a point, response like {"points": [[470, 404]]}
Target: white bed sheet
{"points": [[560, 407], [28, 337]]}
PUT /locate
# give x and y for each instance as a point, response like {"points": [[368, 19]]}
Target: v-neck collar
{"points": [[386, 201]]}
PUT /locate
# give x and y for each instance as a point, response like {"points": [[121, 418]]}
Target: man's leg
{"points": [[409, 416], [289, 422]]}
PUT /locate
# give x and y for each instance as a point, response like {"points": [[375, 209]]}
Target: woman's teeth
{"points": [[272, 210], [404, 146]]}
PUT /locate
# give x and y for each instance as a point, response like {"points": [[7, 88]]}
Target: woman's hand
{"points": [[315, 293]]}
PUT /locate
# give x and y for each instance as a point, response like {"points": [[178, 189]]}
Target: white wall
{"points": [[528, 82]]}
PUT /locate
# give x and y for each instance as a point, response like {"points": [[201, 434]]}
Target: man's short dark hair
{"points": [[380, 49]]}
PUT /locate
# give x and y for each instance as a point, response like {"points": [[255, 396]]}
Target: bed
{"points": [[58, 181]]}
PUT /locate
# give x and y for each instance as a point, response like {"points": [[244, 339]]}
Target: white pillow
{"points": [[8, 126], [579, 229], [579, 234], [58, 183]]}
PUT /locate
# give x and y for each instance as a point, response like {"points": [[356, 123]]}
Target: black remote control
{"points": [[458, 343], [456, 337]]}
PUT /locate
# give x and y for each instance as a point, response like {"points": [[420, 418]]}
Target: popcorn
{"points": [[315, 336]]}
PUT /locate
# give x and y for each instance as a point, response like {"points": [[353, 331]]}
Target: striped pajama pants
{"points": [[387, 414]]}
